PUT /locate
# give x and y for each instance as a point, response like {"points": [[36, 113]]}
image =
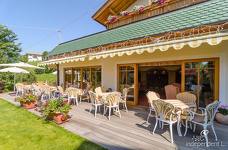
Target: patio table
{"points": [[105, 94], [181, 107]]}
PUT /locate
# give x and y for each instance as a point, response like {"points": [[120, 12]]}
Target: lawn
{"points": [[50, 78], [21, 130]]}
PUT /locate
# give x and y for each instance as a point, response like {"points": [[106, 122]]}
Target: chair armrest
{"points": [[193, 114], [203, 110]]}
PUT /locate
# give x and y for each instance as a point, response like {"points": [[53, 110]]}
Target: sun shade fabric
{"points": [[206, 13]]}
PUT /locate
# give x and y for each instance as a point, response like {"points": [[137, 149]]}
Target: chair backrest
{"points": [[19, 86], [93, 97], [171, 91], [60, 89], [178, 85], [211, 111], [98, 91], [152, 96], [45, 89], [36, 89], [187, 98], [113, 99], [125, 93], [164, 110], [73, 92]]}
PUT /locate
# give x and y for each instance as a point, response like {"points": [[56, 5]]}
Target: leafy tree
{"points": [[9, 49], [9, 53], [24, 58], [45, 55]]}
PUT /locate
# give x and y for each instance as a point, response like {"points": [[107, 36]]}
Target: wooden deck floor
{"points": [[131, 131]]}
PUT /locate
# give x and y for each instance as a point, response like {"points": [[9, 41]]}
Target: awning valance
{"points": [[193, 42]]}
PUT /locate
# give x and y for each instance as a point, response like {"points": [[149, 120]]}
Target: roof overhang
{"points": [[193, 42], [111, 7]]}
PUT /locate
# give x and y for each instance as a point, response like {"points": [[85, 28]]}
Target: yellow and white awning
{"points": [[193, 42]]}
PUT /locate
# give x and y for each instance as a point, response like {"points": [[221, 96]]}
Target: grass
{"points": [[50, 78], [21, 130]]}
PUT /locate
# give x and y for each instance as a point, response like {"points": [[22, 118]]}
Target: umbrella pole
{"points": [[14, 88]]}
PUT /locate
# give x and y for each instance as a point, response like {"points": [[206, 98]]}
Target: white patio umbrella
{"points": [[20, 64], [14, 70], [55, 72]]}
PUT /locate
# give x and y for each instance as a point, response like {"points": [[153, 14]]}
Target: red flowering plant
{"points": [[139, 8], [112, 19], [160, 2], [124, 13]]}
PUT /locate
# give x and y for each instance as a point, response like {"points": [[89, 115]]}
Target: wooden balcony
{"points": [[151, 11]]}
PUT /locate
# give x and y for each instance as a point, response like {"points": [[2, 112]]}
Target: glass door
{"points": [[68, 77], [86, 74], [127, 77], [96, 77], [77, 77], [200, 79]]}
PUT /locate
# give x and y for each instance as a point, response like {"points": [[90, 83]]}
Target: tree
{"points": [[24, 58], [9, 48], [45, 55]]}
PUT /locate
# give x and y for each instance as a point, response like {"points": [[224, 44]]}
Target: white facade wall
{"points": [[223, 88], [34, 58], [109, 65]]}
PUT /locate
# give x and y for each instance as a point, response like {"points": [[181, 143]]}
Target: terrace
{"points": [[131, 130]]}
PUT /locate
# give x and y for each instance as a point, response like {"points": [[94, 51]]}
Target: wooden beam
{"points": [[112, 11]]}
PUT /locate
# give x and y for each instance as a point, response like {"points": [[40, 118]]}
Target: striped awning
{"points": [[193, 42]]}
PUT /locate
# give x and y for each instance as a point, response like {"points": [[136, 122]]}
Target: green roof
{"points": [[205, 13]]}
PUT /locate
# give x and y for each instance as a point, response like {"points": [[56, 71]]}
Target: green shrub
{"points": [[223, 109], [27, 98], [56, 106]]}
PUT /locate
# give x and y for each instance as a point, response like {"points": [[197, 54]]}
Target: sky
{"points": [[37, 22]]}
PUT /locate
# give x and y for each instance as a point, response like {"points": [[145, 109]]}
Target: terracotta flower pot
{"points": [[59, 118], [222, 118], [65, 101], [30, 105]]}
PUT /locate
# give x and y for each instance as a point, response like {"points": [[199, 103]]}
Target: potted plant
{"points": [[139, 8], [222, 114], [57, 110], [112, 19], [160, 2], [124, 13], [28, 101]]}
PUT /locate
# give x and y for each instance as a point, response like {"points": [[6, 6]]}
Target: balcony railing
{"points": [[151, 11]]}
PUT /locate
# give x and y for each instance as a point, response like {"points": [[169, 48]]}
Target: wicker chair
{"points": [[165, 113], [188, 98], [46, 92], [171, 91], [36, 90], [19, 89], [204, 119], [112, 102], [72, 94], [95, 102], [151, 96], [85, 93], [123, 100], [98, 91]]}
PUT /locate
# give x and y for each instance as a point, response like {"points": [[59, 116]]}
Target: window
{"points": [[80, 77], [200, 79], [126, 80]]}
